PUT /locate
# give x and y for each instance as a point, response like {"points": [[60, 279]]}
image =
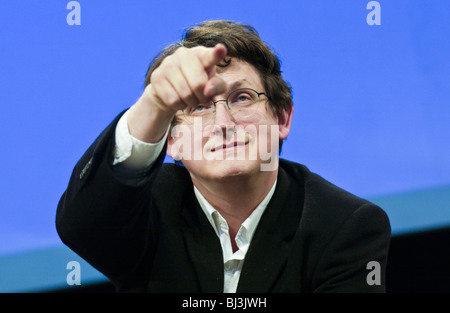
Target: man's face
{"points": [[228, 145]]}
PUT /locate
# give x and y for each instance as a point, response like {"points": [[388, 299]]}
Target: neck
{"points": [[236, 198]]}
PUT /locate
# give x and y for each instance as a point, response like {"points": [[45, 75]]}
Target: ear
{"points": [[284, 122], [172, 147]]}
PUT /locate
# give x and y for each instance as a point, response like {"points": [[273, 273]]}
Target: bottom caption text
{"points": [[232, 303]]}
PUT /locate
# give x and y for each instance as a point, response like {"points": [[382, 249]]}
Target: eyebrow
{"points": [[235, 85], [240, 83]]}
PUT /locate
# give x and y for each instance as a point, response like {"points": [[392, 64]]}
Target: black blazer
{"points": [[150, 234]]}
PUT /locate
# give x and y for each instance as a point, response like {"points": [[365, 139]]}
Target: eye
{"points": [[200, 109], [241, 97]]}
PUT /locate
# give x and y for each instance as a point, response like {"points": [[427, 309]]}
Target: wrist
{"points": [[148, 121]]}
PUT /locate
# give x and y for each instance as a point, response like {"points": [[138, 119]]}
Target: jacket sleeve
{"points": [[355, 259], [108, 220]]}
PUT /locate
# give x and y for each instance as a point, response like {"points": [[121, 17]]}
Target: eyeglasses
{"points": [[239, 103]]}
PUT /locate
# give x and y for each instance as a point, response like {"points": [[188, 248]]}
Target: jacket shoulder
{"points": [[173, 185], [340, 233], [326, 206], [319, 190]]}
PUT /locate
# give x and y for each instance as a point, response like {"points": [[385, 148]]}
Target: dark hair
{"points": [[243, 43]]}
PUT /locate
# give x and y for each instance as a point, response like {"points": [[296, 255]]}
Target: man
{"points": [[230, 216]]}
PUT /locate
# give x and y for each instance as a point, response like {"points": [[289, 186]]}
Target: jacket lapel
{"points": [[269, 248], [203, 247]]}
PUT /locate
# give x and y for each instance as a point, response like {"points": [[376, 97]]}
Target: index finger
{"points": [[213, 56]]}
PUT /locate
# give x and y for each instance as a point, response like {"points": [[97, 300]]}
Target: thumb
{"points": [[215, 86]]}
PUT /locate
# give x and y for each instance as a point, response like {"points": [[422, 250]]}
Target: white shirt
{"points": [[136, 154], [233, 262]]}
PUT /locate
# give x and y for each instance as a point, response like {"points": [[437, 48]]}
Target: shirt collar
{"points": [[249, 224]]}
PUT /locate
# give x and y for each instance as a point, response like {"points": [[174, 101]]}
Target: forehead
{"points": [[240, 74]]}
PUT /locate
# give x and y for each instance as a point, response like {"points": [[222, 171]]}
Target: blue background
{"points": [[371, 103]]}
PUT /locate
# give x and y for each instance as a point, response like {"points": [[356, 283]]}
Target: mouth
{"points": [[229, 146]]}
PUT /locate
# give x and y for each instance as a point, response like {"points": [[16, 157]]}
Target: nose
{"points": [[223, 120]]}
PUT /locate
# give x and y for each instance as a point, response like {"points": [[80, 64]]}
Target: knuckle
{"points": [[155, 76], [198, 85], [172, 100], [189, 100], [181, 50], [186, 94], [165, 97], [168, 64], [180, 53]]}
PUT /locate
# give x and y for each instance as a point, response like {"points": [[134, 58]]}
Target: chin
{"points": [[224, 170]]}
